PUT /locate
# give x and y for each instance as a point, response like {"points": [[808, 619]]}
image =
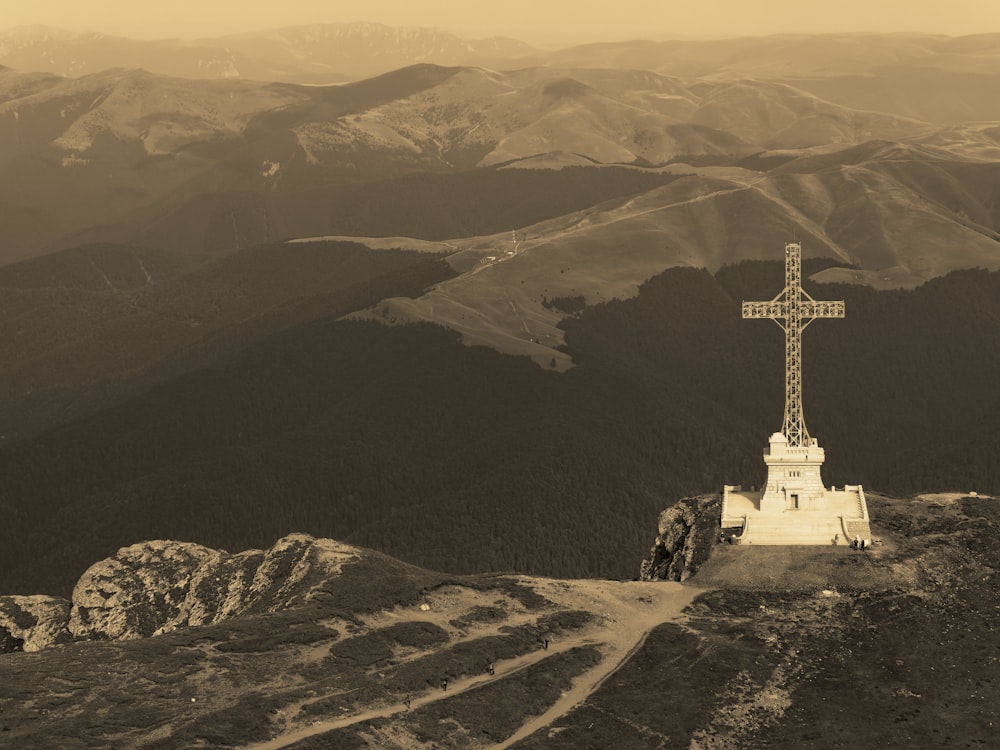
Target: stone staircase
{"points": [[859, 526], [794, 528]]}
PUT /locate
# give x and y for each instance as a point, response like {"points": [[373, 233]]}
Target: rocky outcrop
{"points": [[157, 586], [30, 623], [687, 532], [138, 591]]}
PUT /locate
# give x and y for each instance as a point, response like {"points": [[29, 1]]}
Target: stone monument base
{"points": [[841, 517], [794, 506]]}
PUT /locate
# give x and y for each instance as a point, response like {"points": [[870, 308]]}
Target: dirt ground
{"points": [[624, 613]]}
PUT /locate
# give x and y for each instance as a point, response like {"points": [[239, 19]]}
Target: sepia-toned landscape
{"points": [[340, 360]]}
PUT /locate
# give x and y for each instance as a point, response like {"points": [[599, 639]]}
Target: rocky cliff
{"points": [[154, 587], [29, 623], [687, 532]]}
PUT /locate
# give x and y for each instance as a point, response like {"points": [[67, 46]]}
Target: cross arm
{"points": [[817, 309], [772, 309]]}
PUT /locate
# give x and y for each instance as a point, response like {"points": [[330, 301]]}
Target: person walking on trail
{"points": [[491, 670], [407, 702], [444, 684], [545, 644]]}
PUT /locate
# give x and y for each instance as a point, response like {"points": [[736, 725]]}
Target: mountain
{"points": [[91, 323], [366, 432], [789, 56], [318, 53], [133, 158], [137, 593], [337, 52], [315, 643], [76, 151], [360, 50], [89, 326], [67, 53], [86, 152], [885, 211]]}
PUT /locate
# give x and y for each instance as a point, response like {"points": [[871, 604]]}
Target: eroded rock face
{"points": [[137, 591], [154, 587], [687, 532], [31, 623]]}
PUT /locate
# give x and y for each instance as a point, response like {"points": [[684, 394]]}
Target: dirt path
{"points": [[455, 687], [631, 610], [625, 613]]}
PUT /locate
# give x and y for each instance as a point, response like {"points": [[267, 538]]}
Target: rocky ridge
{"points": [[155, 587]]}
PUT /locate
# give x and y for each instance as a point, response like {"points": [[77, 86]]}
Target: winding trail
{"points": [[625, 613], [633, 609]]}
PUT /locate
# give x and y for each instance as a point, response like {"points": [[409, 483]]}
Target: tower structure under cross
{"points": [[794, 506]]}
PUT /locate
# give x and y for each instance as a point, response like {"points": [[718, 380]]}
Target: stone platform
{"points": [[839, 515], [794, 506]]}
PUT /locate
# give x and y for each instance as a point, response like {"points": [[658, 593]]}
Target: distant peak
{"points": [[569, 88], [38, 31]]}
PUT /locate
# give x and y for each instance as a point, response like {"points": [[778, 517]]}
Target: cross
{"points": [[797, 309]]}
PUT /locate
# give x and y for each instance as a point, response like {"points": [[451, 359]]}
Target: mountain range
{"points": [[132, 157], [577, 162], [336, 52], [318, 53]]}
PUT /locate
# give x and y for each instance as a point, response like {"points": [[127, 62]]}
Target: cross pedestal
{"points": [[793, 478]]}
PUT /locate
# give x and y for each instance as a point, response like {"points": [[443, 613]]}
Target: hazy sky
{"points": [[531, 20]]}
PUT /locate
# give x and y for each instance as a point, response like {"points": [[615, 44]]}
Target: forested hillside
{"points": [[463, 459], [429, 205], [86, 328]]}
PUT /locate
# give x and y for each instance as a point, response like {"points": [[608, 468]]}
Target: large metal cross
{"points": [[797, 309]]}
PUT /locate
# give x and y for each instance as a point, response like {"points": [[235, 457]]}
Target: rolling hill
{"points": [[893, 216], [208, 166], [89, 322], [790, 56]]}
